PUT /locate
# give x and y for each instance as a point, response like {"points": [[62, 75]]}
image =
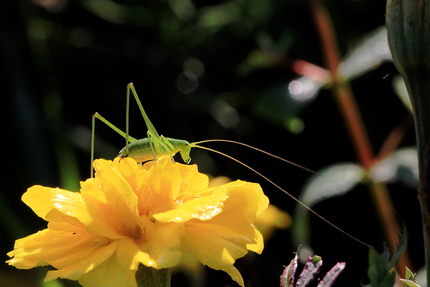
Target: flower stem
{"points": [[419, 86], [407, 23], [151, 277]]}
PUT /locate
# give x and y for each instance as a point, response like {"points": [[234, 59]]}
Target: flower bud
{"points": [[408, 29]]}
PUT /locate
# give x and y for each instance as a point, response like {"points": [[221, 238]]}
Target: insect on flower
{"points": [[154, 146]]}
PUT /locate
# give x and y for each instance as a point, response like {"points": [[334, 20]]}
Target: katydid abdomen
{"points": [[143, 149]]}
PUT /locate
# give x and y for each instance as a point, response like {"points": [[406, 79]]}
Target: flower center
{"points": [[131, 230]]}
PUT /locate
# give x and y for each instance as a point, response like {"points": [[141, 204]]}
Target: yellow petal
{"points": [[163, 245], [162, 186], [202, 205], [89, 212], [192, 180], [117, 190], [130, 255], [89, 263], [43, 199], [245, 199], [91, 188], [25, 257], [120, 212], [258, 246], [216, 247], [109, 274]]}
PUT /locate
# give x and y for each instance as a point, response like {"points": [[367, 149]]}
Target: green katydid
{"points": [[155, 145]]}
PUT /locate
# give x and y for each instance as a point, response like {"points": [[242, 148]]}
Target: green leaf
{"points": [[400, 166], [54, 283], [379, 271], [334, 180], [403, 244], [400, 89], [409, 283], [409, 274], [410, 279], [372, 50]]}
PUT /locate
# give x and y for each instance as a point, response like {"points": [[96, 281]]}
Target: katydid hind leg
{"points": [[112, 126], [127, 119], [157, 142], [148, 123]]}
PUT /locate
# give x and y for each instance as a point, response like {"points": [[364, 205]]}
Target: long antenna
{"points": [[257, 149], [277, 186]]}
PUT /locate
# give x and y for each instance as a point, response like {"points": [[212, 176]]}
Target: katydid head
{"points": [[123, 153], [185, 152]]}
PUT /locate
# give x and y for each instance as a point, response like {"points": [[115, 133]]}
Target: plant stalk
{"points": [[151, 277], [418, 84], [408, 32]]}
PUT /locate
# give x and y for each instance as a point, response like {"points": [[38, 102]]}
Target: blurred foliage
{"points": [[245, 70], [410, 280], [381, 266]]}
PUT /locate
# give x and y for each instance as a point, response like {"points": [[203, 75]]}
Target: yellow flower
{"points": [[131, 214]]}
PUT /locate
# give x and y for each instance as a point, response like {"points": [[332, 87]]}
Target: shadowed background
{"points": [[237, 70]]}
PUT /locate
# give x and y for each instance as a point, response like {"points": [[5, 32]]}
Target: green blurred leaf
{"points": [[409, 283], [403, 244], [276, 105], [332, 181], [379, 271], [410, 279], [401, 166], [215, 17], [369, 53], [410, 275], [54, 283], [107, 10], [401, 91]]}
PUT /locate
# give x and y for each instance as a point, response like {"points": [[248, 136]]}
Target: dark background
{"points": [[61, 61]]}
